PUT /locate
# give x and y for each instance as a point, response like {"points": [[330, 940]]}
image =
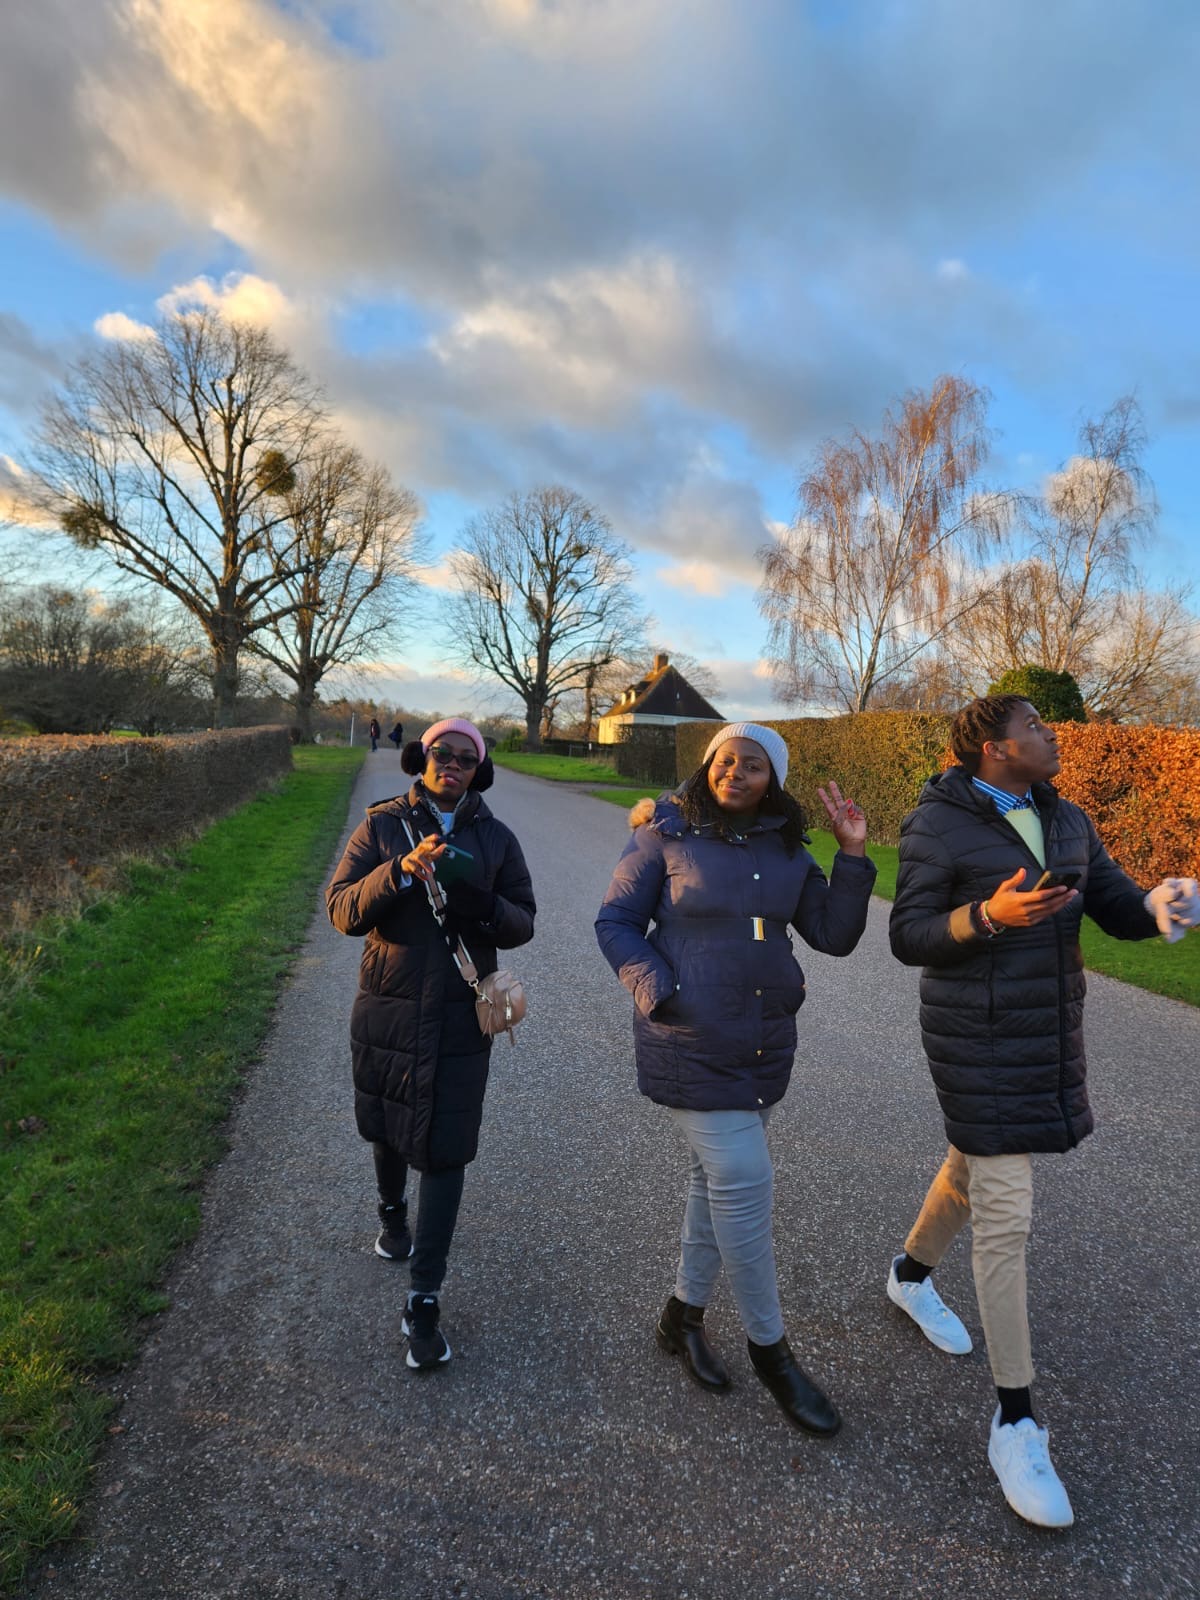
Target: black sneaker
{"points": [[394, 1242], [427, 1346]]}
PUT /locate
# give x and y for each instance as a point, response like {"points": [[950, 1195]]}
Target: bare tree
{"points": [[76, 661], [357, 537], [1077, 603], [544, 598], [170, 453], [874, 571]]}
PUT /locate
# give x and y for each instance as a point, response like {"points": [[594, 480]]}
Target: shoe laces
{"points": [[934, 1305], [423, 1312], [1033, 1446]]}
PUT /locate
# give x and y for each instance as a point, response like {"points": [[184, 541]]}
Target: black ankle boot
{"points": [[796, 1394], [395, 1241], [681, 1332]]}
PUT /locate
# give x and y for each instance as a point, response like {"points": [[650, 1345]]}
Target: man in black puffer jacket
{"points": [[1002, 1024]]}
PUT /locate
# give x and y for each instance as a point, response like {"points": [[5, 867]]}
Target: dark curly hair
{"points": [[699, 809], [984, 719]]}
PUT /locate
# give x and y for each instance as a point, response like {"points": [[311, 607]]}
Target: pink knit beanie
{"points": [[454, 725]]}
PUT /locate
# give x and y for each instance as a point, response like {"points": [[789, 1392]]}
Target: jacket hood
{"points": [[664, 816]]}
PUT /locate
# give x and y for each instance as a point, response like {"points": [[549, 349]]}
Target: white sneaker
{"points": [[1020, 1456], [930, 1313]]}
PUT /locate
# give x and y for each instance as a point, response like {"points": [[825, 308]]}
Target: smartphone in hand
{"points": [[1057, 880], [454, 864]]}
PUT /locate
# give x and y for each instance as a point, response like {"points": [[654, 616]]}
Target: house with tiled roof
{"points": [[662, 699]]}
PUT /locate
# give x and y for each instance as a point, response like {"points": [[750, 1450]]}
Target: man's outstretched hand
{"points": [[1013, 908]]}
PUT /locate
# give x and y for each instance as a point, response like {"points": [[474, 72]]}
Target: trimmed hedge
{"points": [[1139, 785], [70, 805]]}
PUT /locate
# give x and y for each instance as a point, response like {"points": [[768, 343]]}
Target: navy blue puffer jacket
{"points": [[1002, 1019], [715, 1024]]}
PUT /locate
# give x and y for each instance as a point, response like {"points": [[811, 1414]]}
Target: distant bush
{"points": [[1054, 696], [71, 805]]}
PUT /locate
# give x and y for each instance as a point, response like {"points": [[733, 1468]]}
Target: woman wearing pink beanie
{"points": [[420, 1060]]}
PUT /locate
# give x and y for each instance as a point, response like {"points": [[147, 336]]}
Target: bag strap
{"points": [[437, 902]]}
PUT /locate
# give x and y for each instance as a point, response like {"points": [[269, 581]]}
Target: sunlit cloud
{"points": [[116, 325], [696, 577], [18, 504]]}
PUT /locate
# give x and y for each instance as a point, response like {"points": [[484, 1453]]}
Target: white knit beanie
{"points": [[772, 743]]}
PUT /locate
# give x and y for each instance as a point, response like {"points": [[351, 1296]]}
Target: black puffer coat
{"points": [[1002, 1019], [420, 1061]]}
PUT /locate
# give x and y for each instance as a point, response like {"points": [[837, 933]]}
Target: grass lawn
{"points": [[1172, 970], [119, 1066], [559, 769]]}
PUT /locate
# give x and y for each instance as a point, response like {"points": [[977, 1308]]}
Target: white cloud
{"points": [[18, 502], [439, 576], [698, 577], [953, 270], [241, 297], [116, 325], [445, 692]]}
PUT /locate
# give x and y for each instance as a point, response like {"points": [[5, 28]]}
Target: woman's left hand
{"points": [[848, 823]]}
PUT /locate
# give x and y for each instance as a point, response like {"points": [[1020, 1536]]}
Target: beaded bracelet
{"points": [[993, 928]]}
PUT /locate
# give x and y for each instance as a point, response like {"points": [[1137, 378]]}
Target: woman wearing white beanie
{"points": [[720, 869]]}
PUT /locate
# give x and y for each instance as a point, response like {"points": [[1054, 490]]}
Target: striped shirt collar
{"points": [[1005, 802]]}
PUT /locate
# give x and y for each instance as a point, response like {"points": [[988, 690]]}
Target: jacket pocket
{"points": [[368, 967]]}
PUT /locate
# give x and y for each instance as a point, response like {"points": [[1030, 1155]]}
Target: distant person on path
{"points": [[721, 870], [1002, 1024], [373, 733], [420, 1060], [396, 736]]}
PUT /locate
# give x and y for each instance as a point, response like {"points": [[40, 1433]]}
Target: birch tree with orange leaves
{"points": [[886, 553]]}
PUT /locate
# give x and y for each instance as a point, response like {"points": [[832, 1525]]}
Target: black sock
{"points": [[1014, 1405], [909, 1270]]}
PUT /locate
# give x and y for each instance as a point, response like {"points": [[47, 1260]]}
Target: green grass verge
{"points": [[624, 797], [1171, 970], [559, 769], [119, 1066]]}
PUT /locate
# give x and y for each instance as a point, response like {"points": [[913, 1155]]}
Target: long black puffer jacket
{"points": [[420, 1061], [1002, 1018]]}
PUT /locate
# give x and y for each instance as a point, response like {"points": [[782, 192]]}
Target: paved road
{"points": [[277, 1446]]}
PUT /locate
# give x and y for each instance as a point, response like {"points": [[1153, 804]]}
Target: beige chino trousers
{"points": [[994, 1194]]}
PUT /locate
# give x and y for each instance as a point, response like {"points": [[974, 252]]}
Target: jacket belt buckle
{"points": [[759, 931]]}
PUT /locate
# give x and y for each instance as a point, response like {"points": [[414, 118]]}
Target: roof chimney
{"points": [[661, 660]]}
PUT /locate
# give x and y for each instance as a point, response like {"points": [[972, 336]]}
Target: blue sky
{"points": [[656, 251]]}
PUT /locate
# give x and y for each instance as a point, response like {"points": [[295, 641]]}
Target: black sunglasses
{"points": [[443, 755]]}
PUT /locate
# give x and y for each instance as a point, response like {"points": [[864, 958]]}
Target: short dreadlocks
{"points": [[984, 719]]}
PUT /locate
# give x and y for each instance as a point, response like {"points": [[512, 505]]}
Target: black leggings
{"points": [[436, 1215]]}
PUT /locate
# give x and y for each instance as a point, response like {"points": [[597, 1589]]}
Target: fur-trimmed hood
{"points": [[642, 812], [665, 818]]}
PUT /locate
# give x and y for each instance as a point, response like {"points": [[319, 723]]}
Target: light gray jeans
{"points": [[727, 1222]]}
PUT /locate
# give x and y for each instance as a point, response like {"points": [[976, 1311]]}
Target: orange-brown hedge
{"points": [[1140, 786], [71, 805]]}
